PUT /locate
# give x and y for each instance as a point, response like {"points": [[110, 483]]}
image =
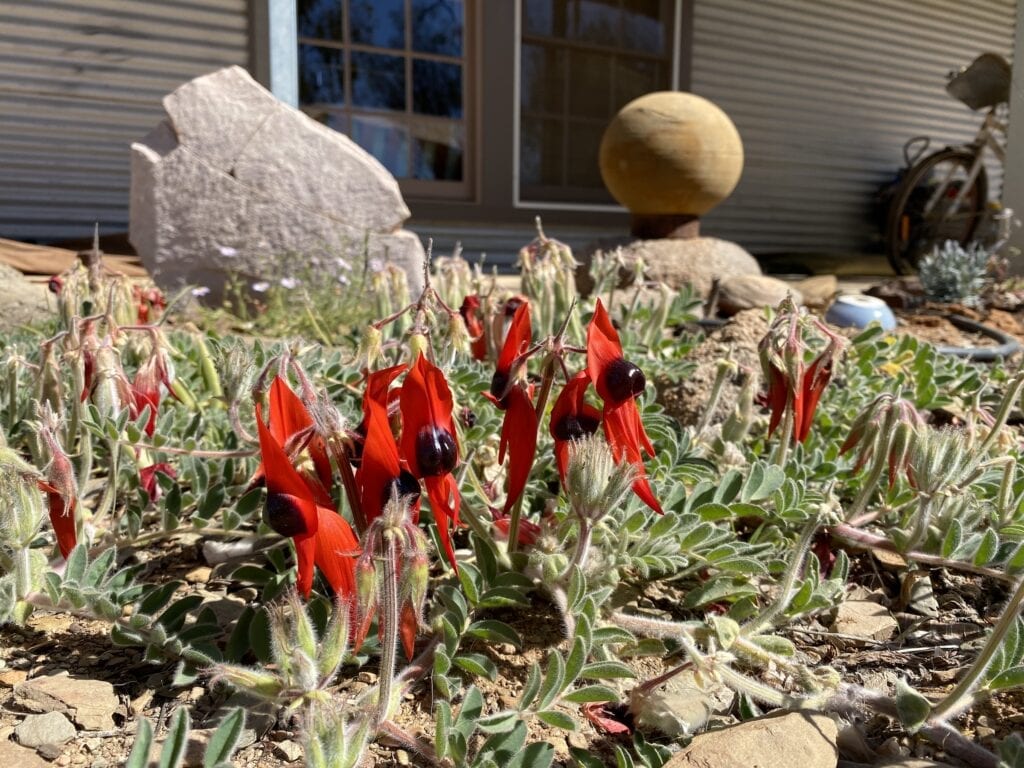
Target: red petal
{"points": [[603, 720], [336, 548], [519, 435], [571, 402], [470, 311], [407, 627], [603, 348], [147, 478], [62, 517], [517, 340], [426, 401], [444, 502], [528, 530], [380, 462], [626, 436], [778, 397], [815, 380]]}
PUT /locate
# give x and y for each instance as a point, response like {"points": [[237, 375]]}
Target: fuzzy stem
{"points": [[725, 367], [781, 452], [109, 498], [236, 423], [921, 521], [868, 540], [389, 619], [878, 467], [768, 616], [962, 695], [22, 573], [659, 628], [413, 744], [1005, 407], [583, 541]]}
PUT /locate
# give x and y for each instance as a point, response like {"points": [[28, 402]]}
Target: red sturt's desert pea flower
{"points": [[429, 444], [147, 478], [470, 311], [572, 418], [322, 537], [793, 386], [618, 382], [515, 396], [145, 388], [380, 472], [61, 492]]}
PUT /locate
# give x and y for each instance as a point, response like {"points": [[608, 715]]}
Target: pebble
{"points": [[53, 751], [366, 677], [50, 728], [402, 757]]}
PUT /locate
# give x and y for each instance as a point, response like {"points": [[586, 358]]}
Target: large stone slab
{"points": [[234, 182]]}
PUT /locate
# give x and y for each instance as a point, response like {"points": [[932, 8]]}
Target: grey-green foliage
{"points": [[218, 752], [951, 272]]}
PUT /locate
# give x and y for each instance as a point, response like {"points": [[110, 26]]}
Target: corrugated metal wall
{"points": [[824, 93], [79, 81]]}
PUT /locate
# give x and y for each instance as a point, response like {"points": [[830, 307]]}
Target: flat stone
{"points": [[288, 751], [11, 677], [739, 292], [13, 756], [804, 739], [51, 728], [22, 302], [819, 290], [233, 180], [89, 703], [864, 619]]}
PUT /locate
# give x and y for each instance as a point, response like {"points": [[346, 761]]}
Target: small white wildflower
{"points": [[261, 286], [343, 280], [376, 265], [202, 290], [342, 264], [289, 282], [227, 251]]}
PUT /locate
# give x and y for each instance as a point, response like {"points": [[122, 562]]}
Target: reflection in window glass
{"points": [[321, 79], [539, 17], [380, 23], [594, 21], [589, 75], [635, 77], [385, 140], [378, 81], [582, 167], [436, 88], [320, 19], [437, 151], [437, 26], [643, 26], [543, 78], [541, 152]]}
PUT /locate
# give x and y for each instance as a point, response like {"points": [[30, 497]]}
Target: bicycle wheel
{"points": [[911, 230]]}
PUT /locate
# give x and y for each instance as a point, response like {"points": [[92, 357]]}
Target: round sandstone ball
{"points": [[671, 153]]}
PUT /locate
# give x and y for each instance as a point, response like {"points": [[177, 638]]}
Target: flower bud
{"points": [[594, 483], [371, 347], [418, 345], [254, 681]]}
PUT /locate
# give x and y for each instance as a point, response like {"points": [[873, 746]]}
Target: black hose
{"points": [[1007, 344]]}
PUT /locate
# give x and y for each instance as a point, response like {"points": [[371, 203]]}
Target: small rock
{"points": [[818, 291], [52, 751], [18, 757], [100, 762], [199, 575], [11, 677], [366, 677], [739, 292], [288, 751], [91, 704], [807, 739], [864, 619], [402, 757], [51, 728]]}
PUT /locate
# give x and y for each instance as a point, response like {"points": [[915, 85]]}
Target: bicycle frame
{"points": [[988, 137]]}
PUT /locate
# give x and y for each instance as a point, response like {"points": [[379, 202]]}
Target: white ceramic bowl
{"points": [[856, 310]]}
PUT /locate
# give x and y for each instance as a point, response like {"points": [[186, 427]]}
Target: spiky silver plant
{"points": [[951, 272]]}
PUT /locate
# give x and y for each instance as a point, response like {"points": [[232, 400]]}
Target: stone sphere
{"points": [[671, 153]]}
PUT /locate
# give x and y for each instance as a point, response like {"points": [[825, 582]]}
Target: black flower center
{"points": [[405, 485], [283, 514], [575, 427], [624, 380], [436, 452], [499, 385]]}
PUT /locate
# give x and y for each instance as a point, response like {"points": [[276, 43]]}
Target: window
{"points": [[392, 75], [580, 62]]}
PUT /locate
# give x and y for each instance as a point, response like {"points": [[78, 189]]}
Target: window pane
{"points": [[437, 150], [541, 152], [378, 81], [380, 23], [539, 18], [385, 140], [320, 19], [543, 79], [594, 21], [437, 26], [321, 78], [644, 27], [635, 77], [589, 78], [436, 88], [582, 167]]}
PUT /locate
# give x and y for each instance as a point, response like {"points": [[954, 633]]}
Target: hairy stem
{"points": [[389, 618], [786, 586]]}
